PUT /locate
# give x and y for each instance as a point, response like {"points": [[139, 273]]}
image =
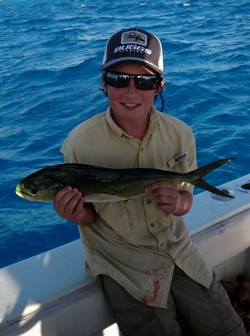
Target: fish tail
{"points": [[199, 173]]}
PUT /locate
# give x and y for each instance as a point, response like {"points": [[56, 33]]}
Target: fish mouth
{"points": [[22, 193]]}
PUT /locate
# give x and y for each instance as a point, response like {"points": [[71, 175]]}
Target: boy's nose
{"points": [[131, 84]]}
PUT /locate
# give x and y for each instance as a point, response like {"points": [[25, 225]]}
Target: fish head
{"points": [[38, 187]]}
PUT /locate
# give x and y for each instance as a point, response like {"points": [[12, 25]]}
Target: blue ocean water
{"points": [[50, 56]]}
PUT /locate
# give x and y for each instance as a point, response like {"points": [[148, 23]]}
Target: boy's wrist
{"points": [[89, 216], [184, 203]]}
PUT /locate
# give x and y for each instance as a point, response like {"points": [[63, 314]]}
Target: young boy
{"points": [[152, 275]]}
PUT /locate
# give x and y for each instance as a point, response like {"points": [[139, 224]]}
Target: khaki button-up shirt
{"points": [[135, 243]]}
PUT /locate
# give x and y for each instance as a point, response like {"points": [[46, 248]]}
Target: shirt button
{"points": [[152, 224], [149, 201]]}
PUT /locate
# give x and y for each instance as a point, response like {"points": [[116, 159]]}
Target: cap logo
{"points": [[134, 37]]}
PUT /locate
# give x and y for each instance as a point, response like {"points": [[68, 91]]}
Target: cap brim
{"points": [[114, 62]]}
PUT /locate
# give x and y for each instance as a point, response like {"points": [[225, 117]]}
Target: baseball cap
{"points": [[134, 44]]}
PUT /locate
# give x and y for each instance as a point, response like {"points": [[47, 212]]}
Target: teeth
{"points": [[130, 105]]}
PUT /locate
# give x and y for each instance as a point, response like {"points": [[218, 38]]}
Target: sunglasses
{"points": [[142, 82]]}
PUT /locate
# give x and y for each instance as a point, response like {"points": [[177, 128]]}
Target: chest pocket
{"points": [[179, 163]]}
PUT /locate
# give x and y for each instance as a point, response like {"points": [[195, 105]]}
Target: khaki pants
{"points": [[193, 310]]}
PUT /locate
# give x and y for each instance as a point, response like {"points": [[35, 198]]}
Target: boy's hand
{"points": [[169, 199], [68, 203]]}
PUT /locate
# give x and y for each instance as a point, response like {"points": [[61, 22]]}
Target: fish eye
{"points": [[34, 192]]}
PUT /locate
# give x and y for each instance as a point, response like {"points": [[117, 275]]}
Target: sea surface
{"points": [[50, 57]]}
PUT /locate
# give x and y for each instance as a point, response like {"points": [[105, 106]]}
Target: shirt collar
{"points": [[153, 123]]}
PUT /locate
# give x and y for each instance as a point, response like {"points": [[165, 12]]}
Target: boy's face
{"points": [[130, 105]]}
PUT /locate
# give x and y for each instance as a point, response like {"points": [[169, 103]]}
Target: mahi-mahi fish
{"points": [[100, 184]]}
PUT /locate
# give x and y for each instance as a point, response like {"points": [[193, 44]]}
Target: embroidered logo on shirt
{"points": [[180, 158]]}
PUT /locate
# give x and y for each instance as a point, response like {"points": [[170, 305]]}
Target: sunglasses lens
{"points": [[142, 82], [117, 80], [147, 82]]}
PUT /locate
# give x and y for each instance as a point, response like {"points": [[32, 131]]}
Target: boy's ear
{"points": [[105, 90], [104, 87], [161, 88]]}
